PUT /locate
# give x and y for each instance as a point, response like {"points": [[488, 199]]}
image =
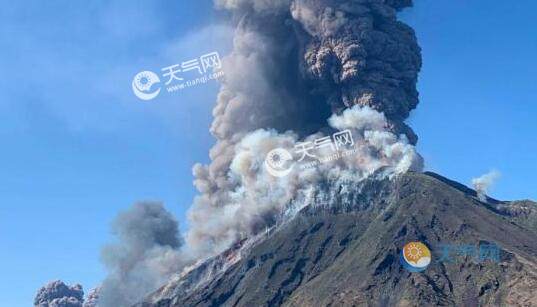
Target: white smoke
{"points": [[254, 199], [483, 184]]}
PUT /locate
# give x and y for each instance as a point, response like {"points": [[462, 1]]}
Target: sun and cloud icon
{"points": [[415, 256]]}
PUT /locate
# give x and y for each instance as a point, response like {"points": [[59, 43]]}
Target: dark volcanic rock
{"points": [[343, 249]]}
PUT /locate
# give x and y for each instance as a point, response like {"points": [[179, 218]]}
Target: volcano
{"points": [[343, 249], [329, 86]]}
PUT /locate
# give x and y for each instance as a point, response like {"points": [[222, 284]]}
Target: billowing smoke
{"points": [[146, 253], [58, 294], [295, 58], [256, 198], [483, 183], [301, 70]]}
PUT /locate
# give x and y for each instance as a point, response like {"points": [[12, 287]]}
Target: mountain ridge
{"points": [[342, 250]]}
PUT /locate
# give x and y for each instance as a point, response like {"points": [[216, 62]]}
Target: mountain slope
{"points": [[343, 250]]}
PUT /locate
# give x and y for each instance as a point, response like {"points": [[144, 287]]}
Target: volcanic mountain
{"points": [[343, 249]]}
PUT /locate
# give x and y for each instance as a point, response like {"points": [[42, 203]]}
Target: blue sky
{"points": [[78, 147]]}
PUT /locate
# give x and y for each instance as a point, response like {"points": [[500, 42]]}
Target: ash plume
{"points": [[146, 253], [299, 70], [483, 183], [58, 294], [319, 55]]}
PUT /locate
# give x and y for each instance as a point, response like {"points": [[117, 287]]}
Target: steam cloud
{"points": [[483, 183], [58, 294]]}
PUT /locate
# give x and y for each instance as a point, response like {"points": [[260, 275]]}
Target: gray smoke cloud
{"points": [[146, 253], [483, 183], [58, 294]]}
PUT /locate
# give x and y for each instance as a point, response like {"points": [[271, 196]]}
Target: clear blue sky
{"points": [[77, 146]]}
